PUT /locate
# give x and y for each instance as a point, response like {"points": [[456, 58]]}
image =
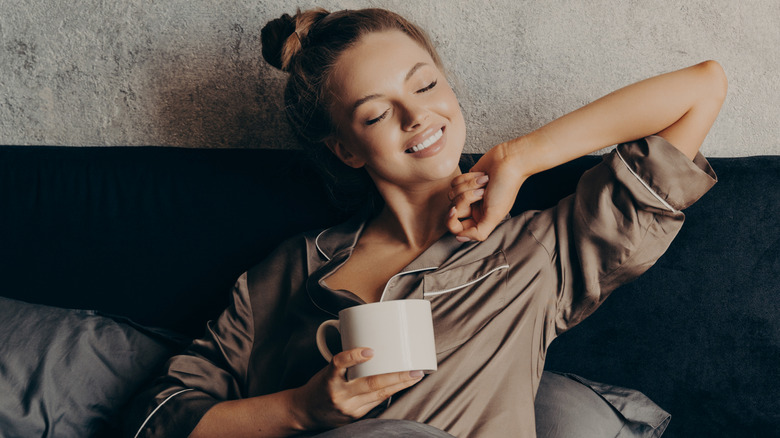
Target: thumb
{"points": [[483, 221], [489, 212]]}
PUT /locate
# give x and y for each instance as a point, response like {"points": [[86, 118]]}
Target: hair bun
{"points": [[274, 36], [279, 44]]}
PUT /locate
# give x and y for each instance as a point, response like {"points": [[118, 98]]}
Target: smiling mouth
{"points": [[425, 143]]}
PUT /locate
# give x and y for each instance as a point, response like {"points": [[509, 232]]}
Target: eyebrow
{"points": [[409, 74]]}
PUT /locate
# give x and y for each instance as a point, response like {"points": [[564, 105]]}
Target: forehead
{"points": [[379, 60]]}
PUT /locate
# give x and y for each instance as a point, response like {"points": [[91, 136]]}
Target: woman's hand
{"points": [[328, 400], [482, 198]]}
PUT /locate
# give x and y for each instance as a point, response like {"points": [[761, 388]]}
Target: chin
{"points": [[446, 168]]}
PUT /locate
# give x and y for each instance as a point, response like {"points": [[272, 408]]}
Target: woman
{"points": [[368, 86]]}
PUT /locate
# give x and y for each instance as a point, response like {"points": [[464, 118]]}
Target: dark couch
{"points": [[154, 238]]}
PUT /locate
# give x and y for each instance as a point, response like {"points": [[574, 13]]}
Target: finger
{"points": [[463, 202], [471, 182], [479, 231], [453, 221], [361, 395], [465, 178], [373, 398], [381, 385], [463, 208], [350, 358], [467, 232]]}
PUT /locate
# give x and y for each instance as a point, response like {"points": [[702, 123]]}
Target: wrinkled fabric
{"points": [[376, 428], [639, 416], [496, 304]]}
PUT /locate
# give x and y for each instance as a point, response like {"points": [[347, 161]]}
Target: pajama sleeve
{"points": [[215, 367], [623, 216], [212, 369]]}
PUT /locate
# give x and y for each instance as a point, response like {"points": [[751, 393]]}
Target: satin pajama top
{"points": [[496, 304]]}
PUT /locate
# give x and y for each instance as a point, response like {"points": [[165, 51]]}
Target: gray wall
{"points": [[188, 72]]}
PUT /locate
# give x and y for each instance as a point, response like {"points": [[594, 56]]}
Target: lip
{"points": [[419, 138]]}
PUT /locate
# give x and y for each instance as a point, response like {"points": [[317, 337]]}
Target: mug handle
{"points": [[321, 344]]}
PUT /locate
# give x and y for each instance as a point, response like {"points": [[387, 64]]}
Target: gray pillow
{"points": [[568, 406], [68, 373]]}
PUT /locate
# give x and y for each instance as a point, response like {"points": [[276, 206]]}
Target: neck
{"points": [[413, 217]]}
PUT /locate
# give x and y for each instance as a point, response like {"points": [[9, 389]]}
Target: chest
{"points": [[475, 301], [369, 269]]}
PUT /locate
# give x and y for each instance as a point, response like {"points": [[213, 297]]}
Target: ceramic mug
{"points": [[400, 332]]}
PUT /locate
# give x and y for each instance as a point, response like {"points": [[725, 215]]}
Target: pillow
{"points": [[568, 406], [69, 372]]}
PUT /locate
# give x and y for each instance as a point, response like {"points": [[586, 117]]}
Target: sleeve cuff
{"points": [[670, 181], [176, 415]]}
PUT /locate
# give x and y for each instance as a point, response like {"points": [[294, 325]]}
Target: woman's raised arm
{"points": [[680, 106]]}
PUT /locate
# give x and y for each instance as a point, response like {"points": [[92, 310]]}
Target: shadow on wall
{"points": [[219, 101]]}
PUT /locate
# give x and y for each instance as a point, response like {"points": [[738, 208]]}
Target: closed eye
{"points": [[381, 116], [428, 88], [384, 114]]}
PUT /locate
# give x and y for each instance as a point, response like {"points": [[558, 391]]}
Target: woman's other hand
{"points": [[482, 198], [328, 400]]}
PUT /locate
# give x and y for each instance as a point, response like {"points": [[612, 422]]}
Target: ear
{"points": [[343, 153]]}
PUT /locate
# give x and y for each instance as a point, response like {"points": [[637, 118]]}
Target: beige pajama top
{"points": [[496, 304]]}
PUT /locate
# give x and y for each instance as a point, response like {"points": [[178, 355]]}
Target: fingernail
{"points": [[483, 179], [367, 352], [416, 374], [462, 239], [453, 212], [479, 192]]}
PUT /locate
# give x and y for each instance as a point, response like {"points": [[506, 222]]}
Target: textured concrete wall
{"points": [[188, 72]]}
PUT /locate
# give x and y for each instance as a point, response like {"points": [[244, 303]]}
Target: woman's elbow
{"points": [[714, 79]]}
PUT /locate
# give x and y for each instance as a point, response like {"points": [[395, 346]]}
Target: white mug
{"points": [[400, 332]]}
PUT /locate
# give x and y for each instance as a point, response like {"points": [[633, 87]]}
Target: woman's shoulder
{"points": [[296, 250], [290, 250]]}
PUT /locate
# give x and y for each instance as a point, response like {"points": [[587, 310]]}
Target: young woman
{"points": [[368, 86]]}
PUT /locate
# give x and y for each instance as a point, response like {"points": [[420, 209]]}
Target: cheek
{"points": [[377, 143], [451, 107], [448, 99]]}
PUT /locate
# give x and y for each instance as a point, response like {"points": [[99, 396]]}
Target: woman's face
{"points": [[395, 112]]}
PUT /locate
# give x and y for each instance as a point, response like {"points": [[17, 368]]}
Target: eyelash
{"points": [[382, 116], [429, 87]]}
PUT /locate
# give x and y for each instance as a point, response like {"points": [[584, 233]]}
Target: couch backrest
{"points": [[158, 235]]}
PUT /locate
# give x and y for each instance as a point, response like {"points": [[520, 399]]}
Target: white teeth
{"points": [[429, 141]]}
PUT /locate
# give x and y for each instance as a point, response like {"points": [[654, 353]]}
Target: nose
{"points": [[414, 117]]}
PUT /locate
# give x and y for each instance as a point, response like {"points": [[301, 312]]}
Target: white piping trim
{"points": [[657, 196], [158, 407], [317, 244], [381, 298], [440, 292]]}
